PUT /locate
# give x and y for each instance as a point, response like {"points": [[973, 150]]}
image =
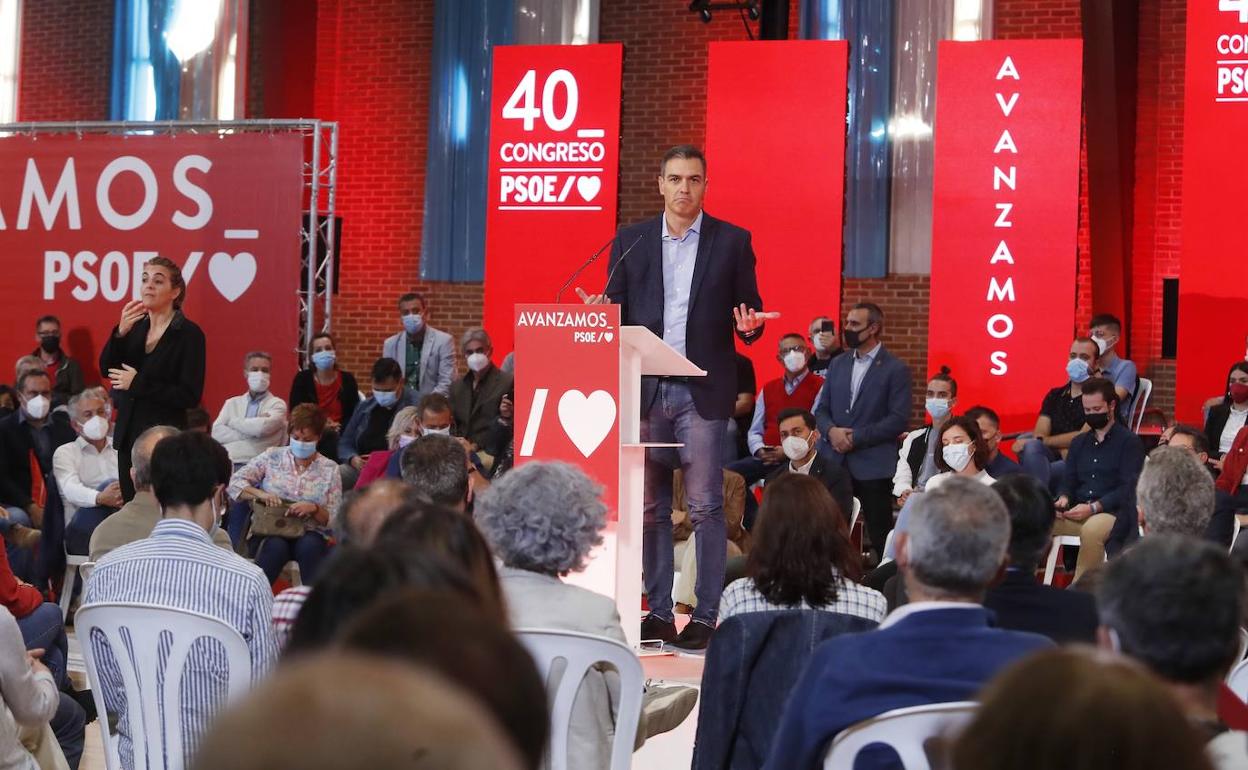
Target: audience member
{"points": [[1106, 332], [916, 462], [742, 410], [1077, 709], [936, 649], [328, 386], [438, 468], [471, 648], [304, 483], [862, 409], [824, 342], [366, 432], [801, 557], [179, 567], [137, 518], [358, 713], [1019, 601], [65, 373], [796, 389], [255, 421], [1042, 453], [31, 700], [8, 400], [502, 437], [1097, 489], [1176, 605], [447, 533], [403, 431], [477, 396], [198, 419], [1228, 416], [86, 470], [999, 466], [799, 440], [1174, 494], [1221, 527], [425, 356], [542, 520], [28, 364]]}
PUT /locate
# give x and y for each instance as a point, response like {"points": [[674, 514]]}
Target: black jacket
{"points": [[1022, 604], [15, 446], [475, 414], [723, 278], [303, 391], [834, 477], [1214, 424], [170, 379]]}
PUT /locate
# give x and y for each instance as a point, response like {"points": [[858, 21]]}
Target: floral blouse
{"points": [[275, 471]]}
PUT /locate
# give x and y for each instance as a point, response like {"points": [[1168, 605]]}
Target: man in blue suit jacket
{"points": [[689, 278], [939, 648], [863, 407]]}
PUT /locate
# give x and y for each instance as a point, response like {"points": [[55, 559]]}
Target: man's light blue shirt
{"points": [[679, 256]]}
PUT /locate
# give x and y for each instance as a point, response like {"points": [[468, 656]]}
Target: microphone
{"points": [[620, 261], [582, 268]]}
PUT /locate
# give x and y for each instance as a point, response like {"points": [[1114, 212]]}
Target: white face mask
{"points": [[795, 361], [795, 447], [819, 346], [438, 431], [478, 361], [95, 428], [405, 440], [258, 382], [957, 456], [1101, 344], [37, 407]]}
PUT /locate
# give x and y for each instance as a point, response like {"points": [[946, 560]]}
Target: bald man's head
{"points": [[362, 513], [141, 455]]}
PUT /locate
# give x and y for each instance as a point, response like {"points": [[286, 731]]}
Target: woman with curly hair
{"points": [[801, 557]]}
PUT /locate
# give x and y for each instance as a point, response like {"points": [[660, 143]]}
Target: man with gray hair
{"points": [[938, 648], [86, 470], [137, 518], [438, 468], [1174, 494], [477, 397], [255, 421]]}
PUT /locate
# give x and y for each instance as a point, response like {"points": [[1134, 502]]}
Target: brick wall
{"points": [[67, 50], [904, 300]]}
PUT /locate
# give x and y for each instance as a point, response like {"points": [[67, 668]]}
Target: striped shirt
{"points": [[179, 567], [286, 607], [741, 596]]}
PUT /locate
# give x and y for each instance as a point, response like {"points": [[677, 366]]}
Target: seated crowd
{"points": [[879, 567]]}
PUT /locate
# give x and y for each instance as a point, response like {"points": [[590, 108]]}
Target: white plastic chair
{"points": [[84, 571], [1243, 646], [580, 653], [905, 730], [853, 519], [1142, 394], [133, 635], [1237, 680], [72, 564], [888, 547], [1051, 566]]}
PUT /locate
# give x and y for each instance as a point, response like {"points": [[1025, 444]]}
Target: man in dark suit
{"points": [[938, 648], [863, 407], [1221, 526], [799, 440], [689, 279], [1019, 601]]}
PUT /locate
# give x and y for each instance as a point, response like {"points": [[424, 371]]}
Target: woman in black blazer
{"points": [[155, 361], [1215, 423], [334, 390]]}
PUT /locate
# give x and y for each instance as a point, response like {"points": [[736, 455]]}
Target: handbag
{"points": [[272, 521]]}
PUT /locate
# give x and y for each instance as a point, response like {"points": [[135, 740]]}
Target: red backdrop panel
{"points": [[775, 147], [568, 362], [226, 209], [554, 163], [1004, 219], [1213, 300]]}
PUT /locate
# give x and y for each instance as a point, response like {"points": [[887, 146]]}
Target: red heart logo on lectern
{"points": [[587, 419]]}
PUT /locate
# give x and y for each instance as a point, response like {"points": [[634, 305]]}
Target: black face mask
{"points": [[50, 343], [853, 337], [1096, 421]]}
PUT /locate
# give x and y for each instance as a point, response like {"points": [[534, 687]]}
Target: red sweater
{"points": [[776, 400], [1234, 463], [19, 598]]}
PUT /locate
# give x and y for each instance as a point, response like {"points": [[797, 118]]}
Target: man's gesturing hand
{"points": [[749, 319]]}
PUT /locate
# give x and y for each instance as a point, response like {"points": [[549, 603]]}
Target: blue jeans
{"points": [[673, 418], [21, 560], [69, 725], [308, 551], [78, 531], [1042, 463], [237, 520], [44, 630]]}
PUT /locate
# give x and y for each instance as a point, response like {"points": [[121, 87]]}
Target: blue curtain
{"points": [[867, 25], [464, 35], [146, 74]]}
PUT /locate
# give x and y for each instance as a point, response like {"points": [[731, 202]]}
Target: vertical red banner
{"points": [[775, 147], [1213, 301], [1005, 210], [554, 172], [568, 388]]}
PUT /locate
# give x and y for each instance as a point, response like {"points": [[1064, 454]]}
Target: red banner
{"points": [[554, 160], [568, 388], [775, 147], [80, 216], [1004, 221], [1213, 301]]}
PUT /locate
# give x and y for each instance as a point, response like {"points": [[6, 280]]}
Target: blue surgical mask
{"points": [[937, 407], [1077, 369], [413, 323], [324, 359], [385, 398], [302, 449]]}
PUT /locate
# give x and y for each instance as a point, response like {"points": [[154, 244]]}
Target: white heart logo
{"points": [[588, 187], [587, 419], [232, 275], [608, 336]]}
